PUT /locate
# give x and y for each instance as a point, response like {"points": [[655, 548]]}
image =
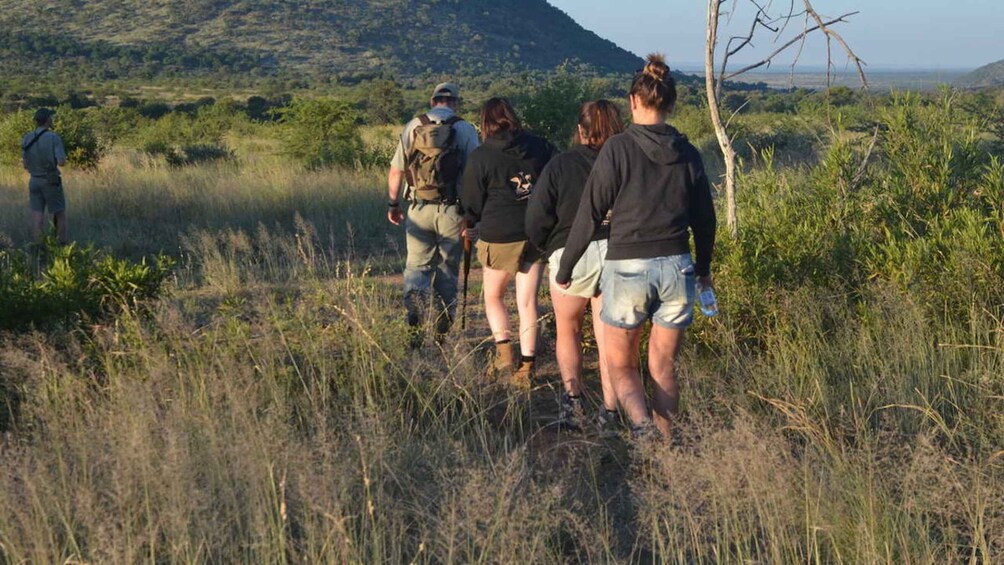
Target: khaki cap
{"points": [[445, 90]]}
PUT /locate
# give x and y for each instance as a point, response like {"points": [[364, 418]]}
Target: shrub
{"points": [[552, 108], [322, 132], [84, 148], [77, 283]]}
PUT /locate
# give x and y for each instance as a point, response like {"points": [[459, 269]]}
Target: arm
{"points": [[475, 192], [59, 152], [703, 222], [395, 178], [541, 210], [600, 192]]}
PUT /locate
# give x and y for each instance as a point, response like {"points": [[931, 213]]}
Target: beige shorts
{"points": [[585, 281], [516, 257]]}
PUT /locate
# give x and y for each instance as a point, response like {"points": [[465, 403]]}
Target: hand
{"points": [[395, 215], [706, 282], [470, 232]]}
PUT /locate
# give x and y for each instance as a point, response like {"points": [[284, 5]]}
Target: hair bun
{"points": [[657, 67]]}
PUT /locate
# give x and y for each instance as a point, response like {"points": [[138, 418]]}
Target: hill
{"points": [[991, 75], [111, 39]]}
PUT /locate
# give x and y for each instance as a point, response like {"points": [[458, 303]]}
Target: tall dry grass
{"points": [[269, 410]]}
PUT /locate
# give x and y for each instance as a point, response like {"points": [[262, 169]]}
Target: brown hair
{"points": [[654, 86], [498, 116], [600, 120]]}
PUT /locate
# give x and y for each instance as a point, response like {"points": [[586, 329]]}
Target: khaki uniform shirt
{"points": [[44, 156]]}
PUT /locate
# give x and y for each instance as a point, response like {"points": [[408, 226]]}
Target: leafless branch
{"points": [[832, 35], [767, 60]]}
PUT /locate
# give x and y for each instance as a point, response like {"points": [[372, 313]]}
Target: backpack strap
{"points": [[425, 119], [31, 143]]}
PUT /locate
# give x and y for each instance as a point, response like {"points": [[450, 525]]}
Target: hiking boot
{"points": [[571, 413], [502, 364], [607, 420], [443, 323], [522, 378]]}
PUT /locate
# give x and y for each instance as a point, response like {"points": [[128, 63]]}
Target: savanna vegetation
{"points": [[256, 401]]}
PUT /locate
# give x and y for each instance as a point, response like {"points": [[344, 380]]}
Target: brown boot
{"points": [[522, 378], [502, 367]]}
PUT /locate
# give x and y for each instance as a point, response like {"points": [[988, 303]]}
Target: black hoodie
{"points": [[653, 181], [499, 177], [555, 200]]}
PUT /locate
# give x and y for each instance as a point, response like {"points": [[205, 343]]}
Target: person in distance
{"points": [[652, 182], [498, 182], [550, 213], [42, 153]]}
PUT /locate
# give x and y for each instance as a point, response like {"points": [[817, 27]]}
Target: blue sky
{"points": [[915, 34]]}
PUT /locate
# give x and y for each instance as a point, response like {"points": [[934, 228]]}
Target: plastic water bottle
{"points": [[706, 297]]}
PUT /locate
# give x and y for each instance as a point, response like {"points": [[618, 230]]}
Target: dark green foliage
{"points": [[98, 40], [75, 283], [322, 132], [77, 128], [384, 102], [551, 109]]}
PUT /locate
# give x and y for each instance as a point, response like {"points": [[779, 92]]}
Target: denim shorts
{"points": [[662, 289]]}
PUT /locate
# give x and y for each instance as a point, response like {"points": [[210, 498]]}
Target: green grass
{"points": [[846, 407]]}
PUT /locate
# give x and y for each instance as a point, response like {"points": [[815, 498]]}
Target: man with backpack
{"points": [[42, 153], [429, 163]]}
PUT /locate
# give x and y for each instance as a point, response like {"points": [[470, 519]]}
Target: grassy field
{"points": [[846, 407]]}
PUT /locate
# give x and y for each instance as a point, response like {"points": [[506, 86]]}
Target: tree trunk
{"points": [[728, 153]]}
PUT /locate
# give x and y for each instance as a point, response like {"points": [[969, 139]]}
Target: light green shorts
{"points": [[586, 274]]}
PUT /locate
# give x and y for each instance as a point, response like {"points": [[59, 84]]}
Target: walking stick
{"points": [[467, 275]]}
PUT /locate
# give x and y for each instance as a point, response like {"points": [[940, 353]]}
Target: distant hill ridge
{"points": [[987, 76], [350, 39]]}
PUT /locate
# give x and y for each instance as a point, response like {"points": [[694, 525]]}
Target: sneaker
{"points": [[644, 433], [607, 420], [571, 414]]}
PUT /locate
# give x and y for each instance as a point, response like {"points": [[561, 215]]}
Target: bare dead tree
{"points": [[770, 22]]}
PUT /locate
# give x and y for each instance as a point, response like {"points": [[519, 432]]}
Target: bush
{"points": [[84, 148], [77, 283], [323, 132], [551, 109]]}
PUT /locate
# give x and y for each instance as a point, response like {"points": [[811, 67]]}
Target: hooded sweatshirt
{"points": [[498, 181], [653, 182], [555, 199]]}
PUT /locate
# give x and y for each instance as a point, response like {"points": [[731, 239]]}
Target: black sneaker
{"points": [[571, 414]]}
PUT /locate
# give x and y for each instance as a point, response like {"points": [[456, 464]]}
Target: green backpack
{"points": [[433, 166]]}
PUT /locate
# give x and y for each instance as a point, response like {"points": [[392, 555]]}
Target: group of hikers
{"points": [[612, 217]]}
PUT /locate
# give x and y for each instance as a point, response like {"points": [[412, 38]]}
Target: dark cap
{"points": [[446, 90], [43, 114]]}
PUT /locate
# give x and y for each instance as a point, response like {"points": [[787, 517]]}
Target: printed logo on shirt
{"points": [[606, 220], [523, 185]]}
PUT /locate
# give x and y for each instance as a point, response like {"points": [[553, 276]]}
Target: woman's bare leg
{"points": [[495, 283], [568, 314], [599, 330], [663, 346], [527, 287], [625, 374]]}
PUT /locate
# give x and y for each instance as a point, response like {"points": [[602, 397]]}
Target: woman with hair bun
{"points": [[651, 181], [549, 218], [498, 180]]}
